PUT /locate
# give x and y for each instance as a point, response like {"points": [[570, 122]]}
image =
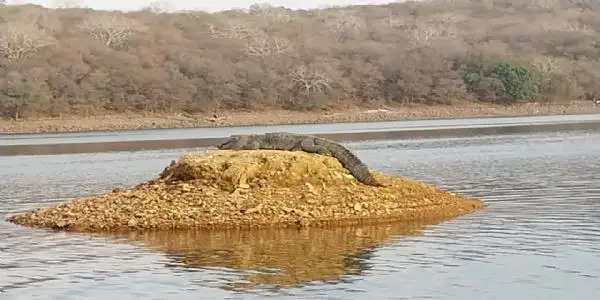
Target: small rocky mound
{"points": [[247, 189]]}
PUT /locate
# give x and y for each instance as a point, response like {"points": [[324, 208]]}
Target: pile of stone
{"points": [[251, 189]]}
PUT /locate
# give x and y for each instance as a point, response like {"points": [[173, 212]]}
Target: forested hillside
{"points": [[81, 61]]}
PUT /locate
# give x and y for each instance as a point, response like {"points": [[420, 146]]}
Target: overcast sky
{"points": [[208, 5]]}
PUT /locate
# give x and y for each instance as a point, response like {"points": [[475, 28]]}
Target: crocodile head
{"points": [[234, 142]]}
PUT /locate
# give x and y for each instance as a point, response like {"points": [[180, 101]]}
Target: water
{"points": [[333, 128], [539, 237], [160, 139]]}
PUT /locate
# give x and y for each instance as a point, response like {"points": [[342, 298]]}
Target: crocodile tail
{"points": [[349, 161]]}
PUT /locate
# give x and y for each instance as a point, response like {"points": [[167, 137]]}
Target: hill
{"points": [[76, 61]]}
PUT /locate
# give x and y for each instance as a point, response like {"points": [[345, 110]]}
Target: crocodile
{"points": [[307, 143]]}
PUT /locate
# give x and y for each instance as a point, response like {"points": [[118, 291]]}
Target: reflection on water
{"points": [[278, 257]]}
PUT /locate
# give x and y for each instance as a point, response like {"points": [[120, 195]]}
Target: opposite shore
{"points": [[133, 121]]}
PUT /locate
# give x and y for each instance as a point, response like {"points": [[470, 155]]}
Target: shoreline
{"points": [[141, 121]]}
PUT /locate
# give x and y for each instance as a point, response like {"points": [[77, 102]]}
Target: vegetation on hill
{"points": [[81, 61]]}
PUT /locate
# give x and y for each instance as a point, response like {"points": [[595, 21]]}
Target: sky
{"points": [[207, 5]]}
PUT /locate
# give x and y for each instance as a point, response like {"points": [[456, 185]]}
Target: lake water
{"points": [[539, 237]]}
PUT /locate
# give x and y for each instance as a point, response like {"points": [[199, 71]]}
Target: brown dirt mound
{"points": [[230, 170], [244, 189]]}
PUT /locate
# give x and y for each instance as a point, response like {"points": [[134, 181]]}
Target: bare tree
{"points": [[260, 8], [49, 23], [268, 11], [547, 67], [447, 19], [231, 31], [159, 7], [21, 41], [263, 45], [112, 30], [308, 81], [545, 4], [450, 3], [556, 78], [343, 25], [259, 43], [547, 64], [2, 2], [63, 4], [567, 26], [576, 26], [393, 21], [423, 32]]}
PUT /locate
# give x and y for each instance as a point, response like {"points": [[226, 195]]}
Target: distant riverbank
{"points": [[131, 121]]}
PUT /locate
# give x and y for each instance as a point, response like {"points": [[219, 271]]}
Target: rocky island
{"points": [[228, 189]]}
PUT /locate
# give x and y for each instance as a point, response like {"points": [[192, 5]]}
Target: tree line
{"points": [[82, 61]]}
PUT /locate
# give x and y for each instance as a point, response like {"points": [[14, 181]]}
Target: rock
{"points": [[311, 189], [186, 187], [310, 200], [132, 222], [258, 208]]}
